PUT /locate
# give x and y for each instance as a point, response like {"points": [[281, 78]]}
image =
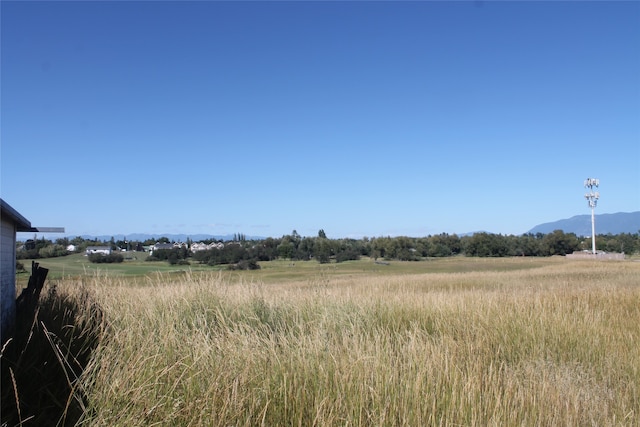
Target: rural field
{"points": [[449, 342]]}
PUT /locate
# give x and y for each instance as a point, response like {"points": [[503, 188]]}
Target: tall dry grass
{"points": [[551, 346], [42, 363]]}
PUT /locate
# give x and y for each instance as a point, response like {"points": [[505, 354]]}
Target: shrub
{"points": [[53, 251], [106, 259], [28, 254], [347, 255], [245, 264], [173, 256], [173, 260]]}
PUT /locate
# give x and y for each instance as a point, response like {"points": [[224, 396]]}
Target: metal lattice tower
{"points": [[592, 200]]}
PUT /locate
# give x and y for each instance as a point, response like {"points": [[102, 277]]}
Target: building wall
{"points": [[7, 278]]}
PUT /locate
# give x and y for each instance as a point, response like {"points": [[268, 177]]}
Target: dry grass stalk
{"points": [[547, 346]]}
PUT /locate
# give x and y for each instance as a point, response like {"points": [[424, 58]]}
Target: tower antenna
{"points": [[592, 200]]}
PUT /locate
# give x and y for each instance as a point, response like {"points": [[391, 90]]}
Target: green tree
{"points": [[322, 250], [527, 245], [380, 248], [77, 241], [63, 241], [560, 243], [629, 243], [52, 251], [270, 246], [305, 249], [286, 249], [486, 245], [347, 250]]}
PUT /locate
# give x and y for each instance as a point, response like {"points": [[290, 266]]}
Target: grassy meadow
{"points": [[458, 341], [78, 265]]}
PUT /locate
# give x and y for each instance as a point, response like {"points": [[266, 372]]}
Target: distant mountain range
{"points": [[622, 222], [616, 223], [141, 237]]}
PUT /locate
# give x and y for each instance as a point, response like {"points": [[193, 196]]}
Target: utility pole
{"points": [[592, 200]]}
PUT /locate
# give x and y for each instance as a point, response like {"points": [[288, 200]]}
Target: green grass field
{"points": [[445, 342], [78, 265]]}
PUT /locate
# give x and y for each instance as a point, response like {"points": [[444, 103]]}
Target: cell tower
{"points": [[592, 199]]}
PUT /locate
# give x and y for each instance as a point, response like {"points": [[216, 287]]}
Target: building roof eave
{"points": [[22, 224]]}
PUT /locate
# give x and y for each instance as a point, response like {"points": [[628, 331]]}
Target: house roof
{"points": [[163, 246], [22, 223]]}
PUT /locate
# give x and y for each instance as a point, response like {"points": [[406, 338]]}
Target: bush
{"points": [[28, 254], [176, 261], [106, 259], [245, 264], [53, 251], [173, 256], [347, 255], [230, 254]]}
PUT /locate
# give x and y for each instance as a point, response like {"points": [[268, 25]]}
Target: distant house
{"points": [[103, 250], [159, 246], [12, 222], [196, 247]]}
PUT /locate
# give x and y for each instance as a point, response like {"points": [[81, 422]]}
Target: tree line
{"points": [[244, 253]]}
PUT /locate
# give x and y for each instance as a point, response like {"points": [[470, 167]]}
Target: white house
{"points": [[159, 246], [167, 246], [104, 250], [196, 247]]}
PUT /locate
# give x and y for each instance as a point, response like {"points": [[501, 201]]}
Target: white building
{"points": [[11, 223], [196, 247], [104, 250]]}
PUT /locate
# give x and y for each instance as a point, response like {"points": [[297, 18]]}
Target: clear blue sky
{"points": [[359, 118]]}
